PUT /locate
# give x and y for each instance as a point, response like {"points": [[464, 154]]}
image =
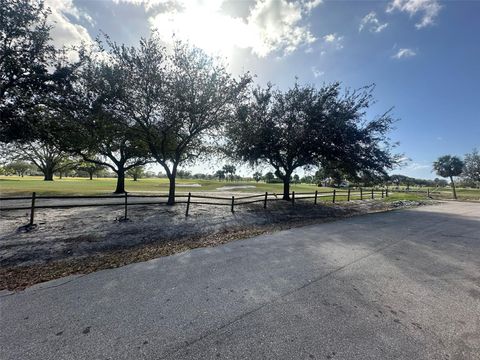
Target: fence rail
{"points": [[360, 194]]}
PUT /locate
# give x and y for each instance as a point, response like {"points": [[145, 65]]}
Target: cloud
{"points": [[65, 32], [418, 166], [404, 53], [371, 21], [334, 40], [428, 8], [317, 73], [270, 25]]}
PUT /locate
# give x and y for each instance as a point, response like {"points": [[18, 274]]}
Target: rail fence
{"points": [[188, 199]]}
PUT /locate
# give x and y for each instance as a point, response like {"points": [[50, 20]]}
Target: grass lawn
{"points": [[14, 185]]}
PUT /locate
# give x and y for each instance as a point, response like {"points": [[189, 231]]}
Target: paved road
{"points": [[397, 285]]}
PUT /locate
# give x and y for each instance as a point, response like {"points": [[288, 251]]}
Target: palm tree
{"points": [[449, 166]]}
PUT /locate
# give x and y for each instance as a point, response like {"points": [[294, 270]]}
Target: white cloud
{"points": [[312, 4], [428, 8], [64, 31], [334, 41], [371, 21], [404, 53], [317, 73], [270, 26]]}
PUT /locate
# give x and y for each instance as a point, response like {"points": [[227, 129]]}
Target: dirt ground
{"points": [[87, 238]]}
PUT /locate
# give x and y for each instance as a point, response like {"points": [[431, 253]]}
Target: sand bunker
{"points": [[188, 185], [235, 187]]}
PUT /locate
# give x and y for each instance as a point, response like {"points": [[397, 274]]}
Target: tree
{"points": [[220, 175], [89, 123], [257, 176], [305, 126], [296, 179], [179, 101], [90, 168], [269, 177], [47, 158], [29, 67], [230, 170], [449, 166], [20, 168], [471, 168], [136, 173]]}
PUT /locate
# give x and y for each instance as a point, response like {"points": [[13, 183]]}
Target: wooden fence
{"points": [[188, 199]]}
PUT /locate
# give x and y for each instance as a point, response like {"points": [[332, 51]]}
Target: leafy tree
{"points": [[220, 175], [449, 166], [471, 169], [20, 168], [269, 177], [179, 100], [440, 182], [47, 158], [230, 170], [136, 173], [257, 176], [296, 179], [90, 168], [184, 174], [29, 67], [89, 124], [304, 126]]}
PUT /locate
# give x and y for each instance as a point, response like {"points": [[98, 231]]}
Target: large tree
{"points": [[449, 166], [304, 126], [46, 157], [29, 68], [88, 123], [178, 100]]}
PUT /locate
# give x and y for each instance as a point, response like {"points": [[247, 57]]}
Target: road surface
{"points": [[397, 285]]}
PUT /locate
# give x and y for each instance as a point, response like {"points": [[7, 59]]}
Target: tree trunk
{"points": [[171, 190], [90, 174], [48, 175], [453, 188], [286, 188], [120, 181], [135, 177]]}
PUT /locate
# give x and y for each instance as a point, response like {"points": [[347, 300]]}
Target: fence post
{"points": [[372, 195], [334, 192], [428, 192], [316, 195], [386, 193], [32, 209], [361, 194], [293, 197], [265, 200], [233, 202], [188, 204], [126, 207], [348, 196]]}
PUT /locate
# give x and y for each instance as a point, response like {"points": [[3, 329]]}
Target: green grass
{"points": [[13, 185]]}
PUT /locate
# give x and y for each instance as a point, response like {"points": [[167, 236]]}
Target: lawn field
{"points": [[14, 186]]}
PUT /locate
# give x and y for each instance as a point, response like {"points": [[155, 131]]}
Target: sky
{"points": [[423, 55]]}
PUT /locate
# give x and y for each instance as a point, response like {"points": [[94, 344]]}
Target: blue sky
{"points": [[423, 55]]}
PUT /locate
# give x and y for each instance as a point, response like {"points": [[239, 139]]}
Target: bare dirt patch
{"points": [[82, 240]]}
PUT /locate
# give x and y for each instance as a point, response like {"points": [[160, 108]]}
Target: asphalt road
{"points": [[397, 285]]}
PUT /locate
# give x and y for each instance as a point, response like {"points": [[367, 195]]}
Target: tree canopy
{"points": [[304, 126], [30, 68], [449, 166]]}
